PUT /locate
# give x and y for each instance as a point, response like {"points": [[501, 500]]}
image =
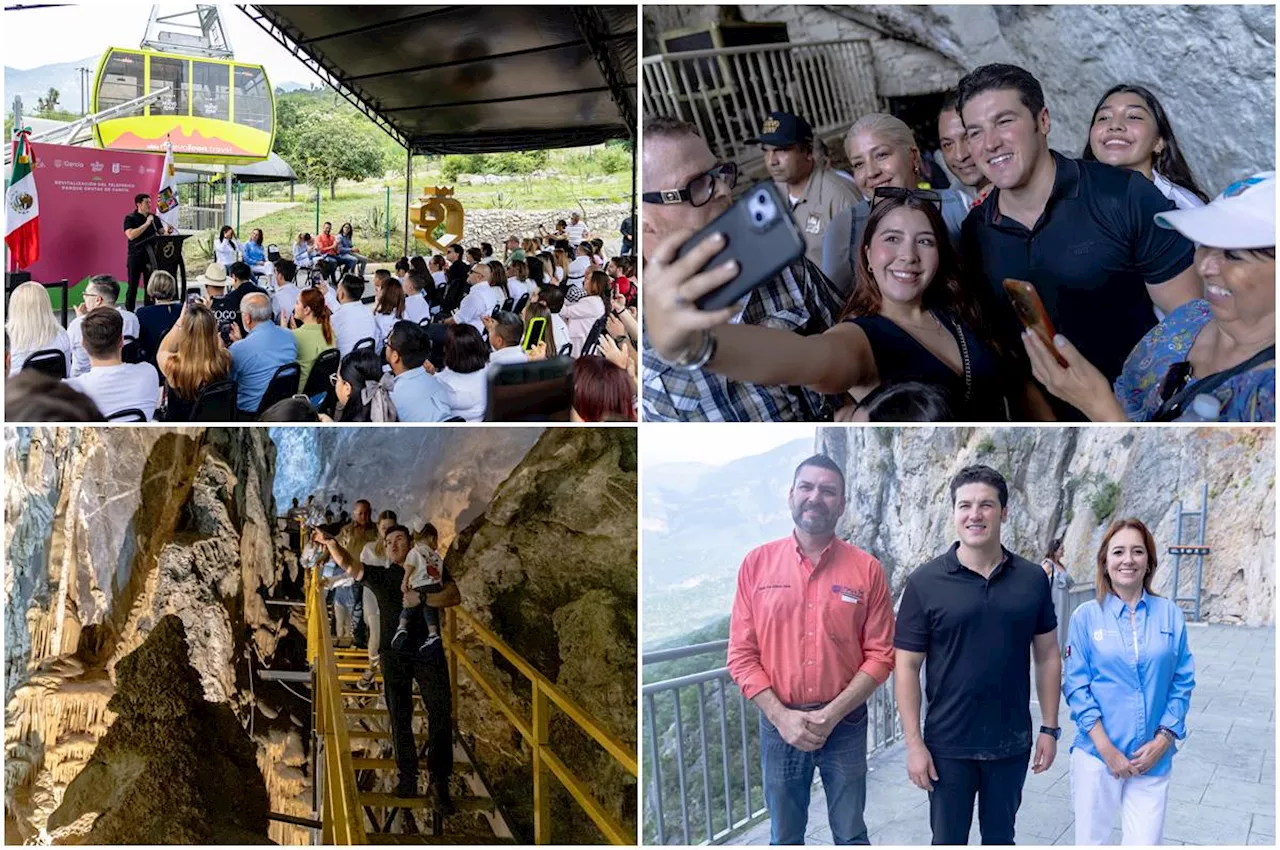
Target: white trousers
{"points": [[1141, 801]]}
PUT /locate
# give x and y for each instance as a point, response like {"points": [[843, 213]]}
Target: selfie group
{"points": [[1037, 287]]}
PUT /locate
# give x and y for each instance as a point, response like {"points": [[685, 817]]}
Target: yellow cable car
{"points": [[218, 110]]}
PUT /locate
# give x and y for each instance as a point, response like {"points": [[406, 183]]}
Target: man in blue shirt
{"points": [[418, 395], [256, 357]]}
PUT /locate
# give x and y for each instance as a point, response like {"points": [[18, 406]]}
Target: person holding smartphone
{"points": [[908, 320], [685, 189]]}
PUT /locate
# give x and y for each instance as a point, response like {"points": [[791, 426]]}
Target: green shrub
{"points": [[613, 160], [1104, 501], [986, 446]]}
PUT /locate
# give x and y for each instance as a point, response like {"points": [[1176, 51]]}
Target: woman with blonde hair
{"points": [[560, 265], [1128, 683], [158, 316], [33, 327], [883, 155], [191, 357], [498, 278]]}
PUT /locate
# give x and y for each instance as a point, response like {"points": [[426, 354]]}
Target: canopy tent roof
{"points": [[473, 79], [272, 170]]}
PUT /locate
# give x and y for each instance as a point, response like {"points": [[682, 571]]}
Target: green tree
{"points": [[48, 103], [325, 147]]}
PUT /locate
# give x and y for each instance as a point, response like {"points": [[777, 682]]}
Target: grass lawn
{"points": [[365, 204]]}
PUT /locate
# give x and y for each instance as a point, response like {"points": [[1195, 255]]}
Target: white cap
{"points": [[1243, 216]]}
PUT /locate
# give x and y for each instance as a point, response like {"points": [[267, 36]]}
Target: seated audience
{"points": [[388, 308], [32, 326], [513, 249], [480, 300], [33, 396], [498, 280], [255, 254], [597, 253], [559, 259], [621, 269], [347, 253], [404, 266], [313, 334], [580, 315], [286, 294], [602, 392], [577, 274], [159, 314], [538, 276], [517, 280], [294, 409], [505, 334], [1131, 130], [553, 297], [241, 285], [191, 356], [256, 355], [417, 394], [550, 339], [464, 375], [353, 320], [113, 384], [101, 291], [363, 393], [417, 306], [225, 248]]}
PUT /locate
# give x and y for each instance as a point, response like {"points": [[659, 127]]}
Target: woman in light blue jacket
{"points": [[1129, 677]]}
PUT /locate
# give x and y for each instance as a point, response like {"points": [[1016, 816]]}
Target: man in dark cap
{"points": [[816, 193]]}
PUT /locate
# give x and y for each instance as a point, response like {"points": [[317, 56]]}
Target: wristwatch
{"points": [[1055, 731], [695, 358], [1165, 730]]}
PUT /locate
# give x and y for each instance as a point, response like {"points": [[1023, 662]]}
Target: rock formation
{"points": [[494, 226], [110, 530], [1071, 483], [173, 768], [1211, 66], [551, 567]]}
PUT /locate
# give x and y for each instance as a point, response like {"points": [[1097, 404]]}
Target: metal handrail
{"points": [[340, 812], [751, 48], [536, 730]]}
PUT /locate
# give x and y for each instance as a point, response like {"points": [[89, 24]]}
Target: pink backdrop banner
{"points": [[85, 193]]}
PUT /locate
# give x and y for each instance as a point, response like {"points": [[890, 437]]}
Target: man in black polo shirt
{"points": [[1083, 232], [975, 614], [140, 227], [400, 668]]}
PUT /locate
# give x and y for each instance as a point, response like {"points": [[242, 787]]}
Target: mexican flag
{"points": [[22, 209]]}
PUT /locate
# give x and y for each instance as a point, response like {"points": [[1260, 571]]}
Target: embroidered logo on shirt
{"points": [[1098, 634], [847, 594], [813, 225]]}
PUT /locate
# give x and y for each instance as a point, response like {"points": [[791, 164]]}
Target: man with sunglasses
{"points": [[817, 194], [684, 190]]}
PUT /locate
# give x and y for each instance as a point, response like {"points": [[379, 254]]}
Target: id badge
{"points": [[813, 225]]}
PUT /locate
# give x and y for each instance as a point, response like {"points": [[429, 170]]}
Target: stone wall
{"points": [[1060, 480], [1212, 67], [109, 531]]}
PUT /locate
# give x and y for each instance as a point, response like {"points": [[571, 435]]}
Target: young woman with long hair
{"points": [[314, 334], [191, 357], [32, 326]]}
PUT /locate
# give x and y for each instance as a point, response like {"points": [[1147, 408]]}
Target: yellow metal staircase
{"points": [[352, 731]]}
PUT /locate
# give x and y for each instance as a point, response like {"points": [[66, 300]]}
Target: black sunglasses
{"points": [[883, 192], [699, 190]]}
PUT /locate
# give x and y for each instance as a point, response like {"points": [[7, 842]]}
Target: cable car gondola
{"points": [[217, 110]]}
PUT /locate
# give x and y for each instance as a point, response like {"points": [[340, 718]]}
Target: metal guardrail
{"points": [[683, 823], [726, 93], [536, 730], [341, 815]]}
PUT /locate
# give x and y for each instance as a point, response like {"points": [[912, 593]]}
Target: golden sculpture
{"points": [[437, 206]]}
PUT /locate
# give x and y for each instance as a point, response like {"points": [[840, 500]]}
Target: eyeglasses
{"points": [[699, 190], [883, 192]]}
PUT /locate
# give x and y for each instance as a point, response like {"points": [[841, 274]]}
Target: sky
{"points": [[89, 29], [716, 444]]}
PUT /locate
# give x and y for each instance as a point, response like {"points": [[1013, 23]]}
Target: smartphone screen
{"points": [[535, 332]]}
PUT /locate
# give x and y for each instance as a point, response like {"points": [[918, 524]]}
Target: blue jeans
{"points": [[788, 778]]}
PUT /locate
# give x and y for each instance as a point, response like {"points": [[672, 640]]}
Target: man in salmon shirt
{"points": [[810, 638]]}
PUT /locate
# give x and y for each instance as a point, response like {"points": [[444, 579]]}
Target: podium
{"points": [[164, 253]]}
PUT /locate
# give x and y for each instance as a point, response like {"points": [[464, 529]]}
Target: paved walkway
{"points": [[1223, 786]]}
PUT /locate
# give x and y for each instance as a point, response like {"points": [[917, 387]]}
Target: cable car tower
{"points": [[194, 32]]}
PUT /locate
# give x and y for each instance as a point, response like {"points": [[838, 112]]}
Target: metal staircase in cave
{"points": [[351, 733]]}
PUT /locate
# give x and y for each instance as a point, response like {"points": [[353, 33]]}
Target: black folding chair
{"points": [[508, 305], [321, 371], [50, 361], [284, 383], [131, 352], [367, 342], [131, 414], [537, 391], [216, 403], [519, 306], [566, 349], [592, 343]]}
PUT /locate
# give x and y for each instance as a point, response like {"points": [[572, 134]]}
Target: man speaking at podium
{"points": [[140, 227]]}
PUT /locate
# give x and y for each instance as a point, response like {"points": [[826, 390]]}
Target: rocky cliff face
{"points": [[1071, 483], [1210, 66], [494, 226], [109, 531], [551, 567], [174, 768]]}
